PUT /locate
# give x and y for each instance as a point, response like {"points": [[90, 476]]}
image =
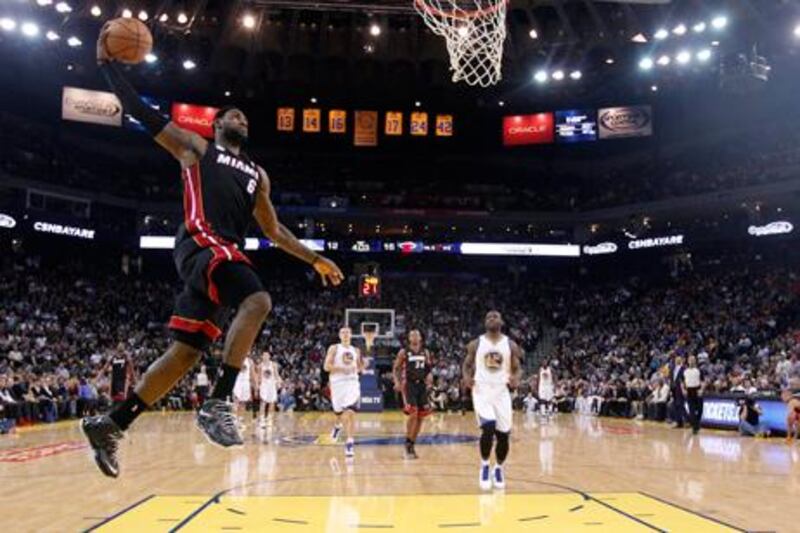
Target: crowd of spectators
{"points": [[611, 346]]}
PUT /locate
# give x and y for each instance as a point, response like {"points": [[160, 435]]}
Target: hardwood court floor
{"points": [[572, 474]]}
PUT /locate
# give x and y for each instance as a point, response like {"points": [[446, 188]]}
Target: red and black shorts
{"points": [[214, 279], [415, 398]]}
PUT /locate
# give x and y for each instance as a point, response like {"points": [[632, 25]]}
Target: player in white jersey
{"points": [[491, 369], [270, 382], [243, 388], [344, 364], [547, 390]]}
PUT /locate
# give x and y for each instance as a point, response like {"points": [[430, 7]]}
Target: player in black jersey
{"points": [[413, 378], [223, 191], [122, 374]]}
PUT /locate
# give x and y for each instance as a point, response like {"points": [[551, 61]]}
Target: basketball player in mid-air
{"points": [[344, 364], [413, 378], [547, 390], [223, 191], [270, 382], [122, 373], [492, 369]]}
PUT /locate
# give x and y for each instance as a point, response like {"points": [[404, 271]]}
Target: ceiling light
{"points": [[127, 13], [610, 61], [313, 100], [143, 16], [664, 61], [63, 7], [417, 104], [182, 18], [52, 36], [249, 21], [654, 88], [683, 57], [151, 58], [8, 24], [639, 38], [74, 42], [501, 103], [374, 30], [463, 31], [558, 75], [680, 29], [704, 54], [646, 63], [661, 34], [29, 29], [188, 64], [533, 34], [44, 2], [700, 27], [719, 22], [540, 76], [576, 74], [163, 18], [227, 93], [797, 31], [96, 11]]}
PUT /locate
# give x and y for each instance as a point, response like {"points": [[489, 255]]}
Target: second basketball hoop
{"points": [[475, 32]]}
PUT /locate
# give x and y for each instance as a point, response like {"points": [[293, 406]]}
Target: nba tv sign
{"points": [[528, 129], [96, 107], [631, 121]]}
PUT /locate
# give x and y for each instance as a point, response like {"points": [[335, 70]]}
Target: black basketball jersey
{"points": [[119, 374], [417, 365], [219, 193]]}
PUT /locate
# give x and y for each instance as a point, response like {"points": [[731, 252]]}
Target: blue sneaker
{"points": [[499, 477], [484, 479], [349, 449], [337, 430]]}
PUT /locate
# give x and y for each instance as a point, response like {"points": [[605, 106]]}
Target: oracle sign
{"points": [[199, 119], [528, 129]]}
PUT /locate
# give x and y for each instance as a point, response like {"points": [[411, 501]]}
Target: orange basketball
{"points": [[128, 40]]}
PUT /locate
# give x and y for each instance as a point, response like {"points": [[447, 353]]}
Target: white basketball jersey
{"points": [[493, 361], [269, 373], [244, 373], [346, 356], [545, 377]]}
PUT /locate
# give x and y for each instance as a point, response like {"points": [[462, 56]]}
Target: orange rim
{"points": [[466, 15]]}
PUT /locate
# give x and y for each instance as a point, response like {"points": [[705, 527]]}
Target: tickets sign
{"points": [[337, 121], [528, 129], [196, 118], [285, 119]]}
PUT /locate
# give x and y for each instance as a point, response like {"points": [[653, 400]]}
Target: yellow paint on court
{"points": [[607, 512]]}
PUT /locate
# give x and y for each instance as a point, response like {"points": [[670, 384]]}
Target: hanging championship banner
{"points": [[419, 124], [312, 119], [366, 133], [444, 125], [337, 121], [285, 119], [394, 123]]}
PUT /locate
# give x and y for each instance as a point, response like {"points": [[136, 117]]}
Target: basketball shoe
{"points": [[499, 477], [349, 448], [103, 436], [335, 432], [484, 478], [218, 422]]}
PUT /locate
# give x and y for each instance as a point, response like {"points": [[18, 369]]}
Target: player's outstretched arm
{"points": [[468, 368], [267, 219], [186, 146]]}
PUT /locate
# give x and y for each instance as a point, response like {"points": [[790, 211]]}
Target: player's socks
{"points": [[349, 448], [484, 477], [499, 477], [126, 412], [224, 386]]}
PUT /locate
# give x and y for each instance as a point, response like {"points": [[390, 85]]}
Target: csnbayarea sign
{"points": [[656, 242], [69, 231]]}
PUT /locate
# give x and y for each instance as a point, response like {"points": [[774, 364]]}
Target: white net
{"points": [[475, 31]]}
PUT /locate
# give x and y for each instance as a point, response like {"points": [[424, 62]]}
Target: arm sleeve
{"points": [[152, 120]]}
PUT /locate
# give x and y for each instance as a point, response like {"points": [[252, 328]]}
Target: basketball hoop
{"points": [[475, 31]]}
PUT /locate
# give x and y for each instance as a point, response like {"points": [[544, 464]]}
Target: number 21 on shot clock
{"points": [[444, 125], [285, 119], [419, 123]]}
